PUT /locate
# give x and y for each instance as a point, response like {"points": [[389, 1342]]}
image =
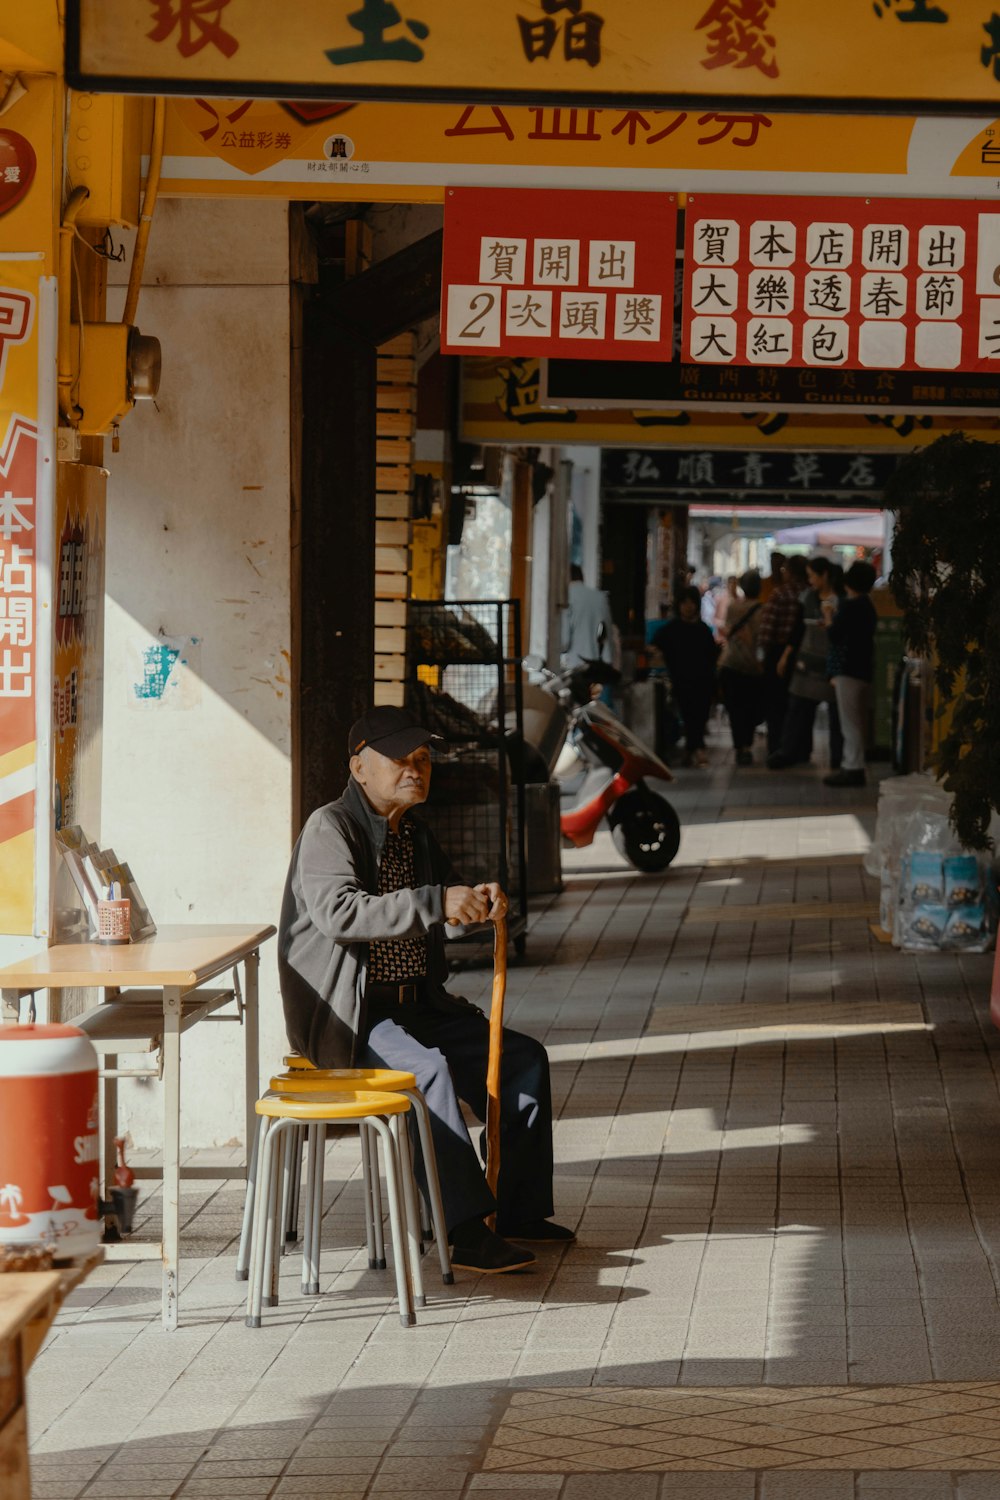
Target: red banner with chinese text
{"points": [[564, 274], [891, 284], [19, 544]]}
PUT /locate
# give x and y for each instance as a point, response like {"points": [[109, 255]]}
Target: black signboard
{"points": [[744, 477], [676, 386]]}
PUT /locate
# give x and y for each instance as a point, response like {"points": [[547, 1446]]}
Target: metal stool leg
{"points": [[298, 1144], [259, 1237], [243, 1253], [287, 1155], [397, 1125], [396, 1220], [416, 1098], [375, 1191], [310, 1265], [277, 1137], [366, 1199], [319, 1171]]}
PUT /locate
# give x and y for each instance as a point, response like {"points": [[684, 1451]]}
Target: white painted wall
{"points": [[197, 796]]}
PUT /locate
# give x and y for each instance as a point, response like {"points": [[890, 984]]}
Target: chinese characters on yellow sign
{"points": [[785, 53]]}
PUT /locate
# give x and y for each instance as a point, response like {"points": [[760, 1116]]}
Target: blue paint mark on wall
{"points": [[157, 665]]}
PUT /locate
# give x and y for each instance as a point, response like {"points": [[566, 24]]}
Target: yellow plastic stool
{"points": [[399, 1082], [296, 1061], [379, 1113]]}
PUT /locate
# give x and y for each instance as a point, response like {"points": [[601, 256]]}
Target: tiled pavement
{"points": [[779, 1139]]}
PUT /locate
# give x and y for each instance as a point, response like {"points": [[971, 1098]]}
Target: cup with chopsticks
{"points": [[114, 915]]}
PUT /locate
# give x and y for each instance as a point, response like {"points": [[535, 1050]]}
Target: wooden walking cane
{"points": [[495, 1056]]}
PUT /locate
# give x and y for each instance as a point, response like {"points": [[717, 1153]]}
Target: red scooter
{"points": [[602, 768]]}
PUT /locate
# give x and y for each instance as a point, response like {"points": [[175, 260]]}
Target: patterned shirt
{"points": [[779, 618], [397, 960]]}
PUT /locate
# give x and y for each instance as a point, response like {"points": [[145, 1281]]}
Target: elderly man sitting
{"points": [[362, 968]]}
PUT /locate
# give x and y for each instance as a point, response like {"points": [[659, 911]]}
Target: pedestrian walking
{"points": [[780, 619], [690, 654], [586, 623], [740, 672], [809, 684], [851, 637]]}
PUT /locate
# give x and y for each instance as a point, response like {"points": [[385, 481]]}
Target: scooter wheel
{"points": [[648, 834]]}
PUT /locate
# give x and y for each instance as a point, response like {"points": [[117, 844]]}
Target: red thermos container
{"points": [[49, 1144]]}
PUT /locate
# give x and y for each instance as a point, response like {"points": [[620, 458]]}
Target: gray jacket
{"points": [[330, 913]]}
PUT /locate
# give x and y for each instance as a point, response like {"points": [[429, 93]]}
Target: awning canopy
{"points": [[864, 530]]}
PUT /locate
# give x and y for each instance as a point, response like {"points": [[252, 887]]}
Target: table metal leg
{"points": [[251, 965], [171, 1151]]}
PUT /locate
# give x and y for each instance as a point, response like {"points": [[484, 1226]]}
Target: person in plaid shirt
{"points": [[779, 622]]}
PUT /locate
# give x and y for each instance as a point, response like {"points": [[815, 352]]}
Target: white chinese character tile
{"points": [[528, 312], [827, 294], [582, 316], [714, 290], [885, 247], [989, 328], [713, 340], [882, 346], [556, 262], [941, 247], [825, 341], [829, 247], [637, 317], [769, 341], [501, 261], [772, 242], [883, 295], [15, 674], [474, 316], [716, 242], [770, 293], [938, 346], [611, 263], [939, 295]]}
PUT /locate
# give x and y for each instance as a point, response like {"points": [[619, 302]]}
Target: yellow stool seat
{"points": [[356, 1105], [388, 1080], [296, 1062]]}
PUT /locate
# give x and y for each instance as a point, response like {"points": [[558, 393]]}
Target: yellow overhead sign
{"points": [[501, 402], [414, 151], [887, 55]]}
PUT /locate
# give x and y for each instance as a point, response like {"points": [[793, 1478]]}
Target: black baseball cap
{"points": [[390, 731]]}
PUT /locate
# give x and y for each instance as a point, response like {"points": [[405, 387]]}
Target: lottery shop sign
{"points": [[571, 274], [890, 55], [822, 283]]}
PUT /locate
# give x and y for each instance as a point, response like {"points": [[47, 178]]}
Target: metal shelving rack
{"points": [[464, 683]]}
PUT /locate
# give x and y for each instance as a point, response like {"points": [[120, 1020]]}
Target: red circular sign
{"points": [[17, 168]]}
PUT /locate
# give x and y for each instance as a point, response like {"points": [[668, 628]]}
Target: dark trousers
{"points": [[447, 1051], [797, 731], [775, 698], [741, 693], [693, 701]]}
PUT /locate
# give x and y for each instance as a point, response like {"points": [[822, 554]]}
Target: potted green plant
{"points": [[946, 578]]}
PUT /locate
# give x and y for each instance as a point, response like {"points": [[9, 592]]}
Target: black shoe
{"points": [[487, 1253], [540, 1232], [779, 762], [844, 778], [744, 757]]}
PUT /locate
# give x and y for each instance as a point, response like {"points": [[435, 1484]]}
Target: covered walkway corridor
{"points": [[778, 1138]]}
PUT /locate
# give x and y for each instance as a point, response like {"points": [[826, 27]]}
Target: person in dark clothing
{"points": [[808, 684], [780, 619], [362, 970], [689, 652], [739, 667], [851, 640]]}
